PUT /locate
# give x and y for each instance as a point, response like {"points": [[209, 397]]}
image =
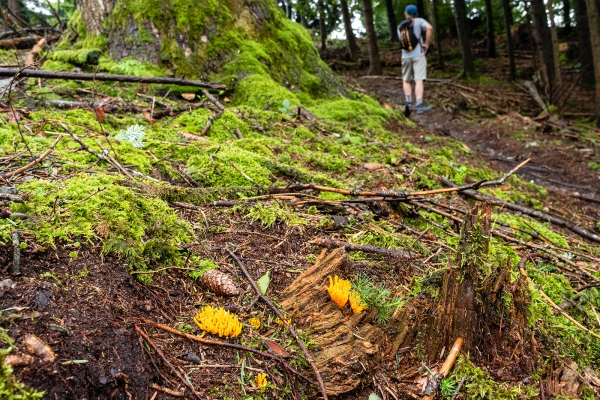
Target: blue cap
{"points": [[411, 9]]}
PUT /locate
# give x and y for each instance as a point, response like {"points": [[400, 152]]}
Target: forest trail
{"points": [[560, 158]]}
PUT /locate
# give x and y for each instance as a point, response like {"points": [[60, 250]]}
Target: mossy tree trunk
{"points": [[95, 12]]}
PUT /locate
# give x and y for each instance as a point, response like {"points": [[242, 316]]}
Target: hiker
{"points": [[414, 62]]}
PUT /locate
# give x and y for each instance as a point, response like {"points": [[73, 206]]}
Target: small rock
{"points": [[191, 357], [42, 299], [373, 166], [102, 380], [7, 284]]}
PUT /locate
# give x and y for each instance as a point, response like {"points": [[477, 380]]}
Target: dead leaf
{"points": [[36, 346], [591, 376], [275, 348], [100, 115], [191, 136], [148, 117], [188, 96], [144, 88], [18, 360], [13, 118], [373, 166]]}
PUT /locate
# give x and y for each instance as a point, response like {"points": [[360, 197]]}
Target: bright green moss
{"points": [[85, 56], [129, 66], [257, 91], [52, 65]]}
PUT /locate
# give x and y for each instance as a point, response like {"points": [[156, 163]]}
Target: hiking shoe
{"points": [[421, 109], [407, 110]]}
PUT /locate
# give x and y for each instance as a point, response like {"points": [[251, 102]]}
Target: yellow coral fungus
{"points": [[254, 322], [280, 322], [218, 322], [339, 290], [356, 303], [261, 381]]}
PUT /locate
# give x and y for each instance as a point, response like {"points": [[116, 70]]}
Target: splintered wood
{"points": [[348, 344]]}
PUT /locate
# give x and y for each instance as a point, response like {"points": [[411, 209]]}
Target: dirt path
{"points": [[561, 161]]}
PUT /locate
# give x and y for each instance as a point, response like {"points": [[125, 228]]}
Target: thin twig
{"points": [[266, 300], [34, 162], [160, 353]]}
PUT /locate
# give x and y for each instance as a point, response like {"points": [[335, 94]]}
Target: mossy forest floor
{"points": [[93, 238]]}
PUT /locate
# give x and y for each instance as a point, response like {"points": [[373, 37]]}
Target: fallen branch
{"points": [[9, 72], [292, 331], [433, 384], [334, 244], [527, 211], [553, 305], [227, 344], [160, 353], [33, 55], [213, 100], [168, 391], [38, 160]]}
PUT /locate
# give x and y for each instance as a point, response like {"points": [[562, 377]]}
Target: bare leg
{"points": [[407, 88], [419, 89]]}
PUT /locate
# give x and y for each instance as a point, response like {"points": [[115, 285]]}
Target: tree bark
{"points": [[594, 24], [322, 27], [554, 34], [351, 46], [567, 16], [436, 28], [460, 17], [94, 13], [512, 70], [585, 46], [491, 39], [393, 23], [13, 6], [421, 8], [543, 39], [375, 64]]}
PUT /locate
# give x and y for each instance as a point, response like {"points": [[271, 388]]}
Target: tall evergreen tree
{"points": [[543, 40], [583, 37], [460, 17], [436, 27], [512, 70], [554, 35], [322, 26], [375, 67], [351, 46], [594, 25], [391, 14], [491, 37], [567, 16]]}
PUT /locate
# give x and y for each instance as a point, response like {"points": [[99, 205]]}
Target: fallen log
{"points": [[332, 244], [18, 43], [10, 72], [35, 52], [527, 211]]}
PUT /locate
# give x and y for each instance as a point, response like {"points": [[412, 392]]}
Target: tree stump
{"points": [[348, 344]]}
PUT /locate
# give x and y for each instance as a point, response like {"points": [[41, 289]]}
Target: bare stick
{"points": [[86, 147], [168, 391], [227, 344], [34, 162], [160, 353], [434, 383], [213, 100], [266, 300], [16, 253]]}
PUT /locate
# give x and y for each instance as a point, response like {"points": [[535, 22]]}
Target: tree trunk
{"points": [[421, 8], [375, 67], [436, 27], [322, 28], [512, 71], [389, 5], [460, 17], [351, 46], [491, 39], [594, 24], [95, 12], [543, 39], [567, 16], [554, 34], [585, 46], [13, 6]]}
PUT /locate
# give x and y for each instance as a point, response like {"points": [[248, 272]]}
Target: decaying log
{"points": [[348, 344], [35, 52], [20, 43], [9, 72]]}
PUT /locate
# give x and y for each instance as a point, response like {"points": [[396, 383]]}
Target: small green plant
{"points": [[74, 254], [286, 109], [593, 165], [377, 297], [53, 276], [82, 274]]}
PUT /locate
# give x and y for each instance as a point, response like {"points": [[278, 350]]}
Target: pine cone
{"points": [[219, 283]]}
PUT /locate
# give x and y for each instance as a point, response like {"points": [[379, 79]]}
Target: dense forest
{"points": [[234, 199]]}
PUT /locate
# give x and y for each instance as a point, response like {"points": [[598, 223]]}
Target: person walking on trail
{"points": [[414, 61]]}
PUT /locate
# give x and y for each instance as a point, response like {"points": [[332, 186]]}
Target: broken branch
{"points": [[334, 244], [34, 162]]}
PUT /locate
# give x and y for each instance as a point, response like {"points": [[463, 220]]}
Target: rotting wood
{"points": [[34, 54], [331, 243], [527, 211], [348, 344], [30, 73], [23, 43], [291, 329]]}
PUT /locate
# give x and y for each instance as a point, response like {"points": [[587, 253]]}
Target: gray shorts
{"points": [[414, 68]]}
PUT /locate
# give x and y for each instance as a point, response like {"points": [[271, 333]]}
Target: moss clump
{"points": [[257, 91], [142, 230], [77, 57], [10, 388], [129, 66], [52, 65], [269, 215]]}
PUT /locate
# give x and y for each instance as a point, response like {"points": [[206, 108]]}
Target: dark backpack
{"points": [[406, 33]]}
